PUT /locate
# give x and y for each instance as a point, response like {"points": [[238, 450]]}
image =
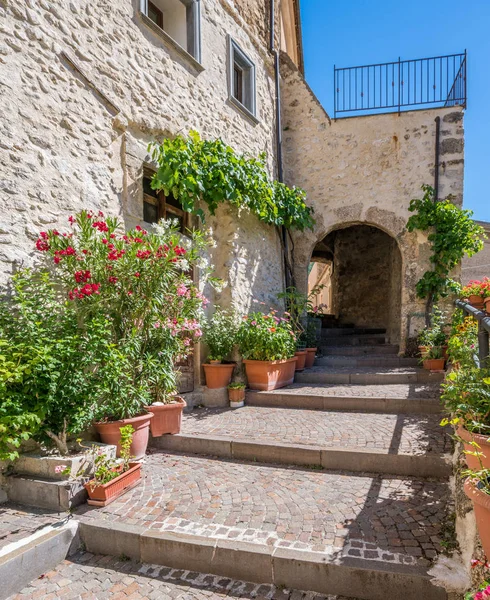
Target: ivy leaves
{"points": [[453, 234], [194, 170]]}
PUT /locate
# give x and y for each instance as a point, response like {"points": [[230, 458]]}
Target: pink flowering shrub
{"points": [[140, 281], [266, 336]]}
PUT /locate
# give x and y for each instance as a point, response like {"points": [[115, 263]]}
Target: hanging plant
{"points": [[452, 235], [195, 170]]}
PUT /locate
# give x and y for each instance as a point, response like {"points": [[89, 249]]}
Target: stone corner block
{"points": [[216, 398]]}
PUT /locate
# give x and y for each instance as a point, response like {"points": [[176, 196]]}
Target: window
{"points": [[179, 20], [157, 206], [241, 78]]}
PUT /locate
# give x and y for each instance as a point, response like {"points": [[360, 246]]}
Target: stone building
{"points": [[86, 85], [478, 266]]}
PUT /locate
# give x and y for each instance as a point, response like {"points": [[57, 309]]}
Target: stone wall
{"points": [[478, 266], [86, 85], [366, 170]]}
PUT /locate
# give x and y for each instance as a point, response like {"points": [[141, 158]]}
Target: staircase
{"points": [[337, 484]]}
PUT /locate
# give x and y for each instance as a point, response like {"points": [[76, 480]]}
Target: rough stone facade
{"points": [[365, 170], [478, 266]]}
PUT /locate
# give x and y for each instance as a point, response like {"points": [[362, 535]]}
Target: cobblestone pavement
{"points": [[91, 577], [363, 370], [17, 522], [399, 390], [393, 520], [409, 434]]}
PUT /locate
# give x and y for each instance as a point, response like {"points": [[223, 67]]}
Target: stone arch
{"points": [[366, 264]]}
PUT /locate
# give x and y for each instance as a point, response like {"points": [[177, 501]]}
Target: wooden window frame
{"points": [[164, 209], [158, 13]]}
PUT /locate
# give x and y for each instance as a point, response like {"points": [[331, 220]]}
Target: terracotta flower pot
{"points": [[481, 440], [481, 504], [236, 397], [434, 364], [270, 375], [110, 433], [301, 356], [476, 301], [310, 357], [103, 494], [218, 375], [486, 301], [167, 418]]}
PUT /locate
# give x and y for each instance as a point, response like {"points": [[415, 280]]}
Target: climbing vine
{"points": [[453, 234], [194, 170]]}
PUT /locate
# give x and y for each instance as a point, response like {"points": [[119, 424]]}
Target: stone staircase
{"points": [[337, 485]]}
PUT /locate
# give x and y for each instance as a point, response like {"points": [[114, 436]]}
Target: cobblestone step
{"points": [[367, 375], [364, 350], [410, 398], [98, 577], [368, 537], [374, 360], [407, 445], [342, 331], [369, 339]]}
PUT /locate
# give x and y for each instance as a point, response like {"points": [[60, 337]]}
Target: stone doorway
{"points": [[360, 267]]}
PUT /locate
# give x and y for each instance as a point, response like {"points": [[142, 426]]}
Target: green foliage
{"points": [[463, 341], [195, 170], [107, 469], [466, 396], [236, 386], [434, 334], [220, 333], [266, 337], [452, 235]]}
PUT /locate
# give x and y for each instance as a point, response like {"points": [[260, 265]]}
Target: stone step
{"points": [[368, 375], [399, 398], [359, 350], [408, 445], [346, 331], [99, 577], [366, 537], [353, 340], [373, 360]]}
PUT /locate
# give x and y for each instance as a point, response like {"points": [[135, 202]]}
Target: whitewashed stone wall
{"points": [[366, 170], [85, 85]]}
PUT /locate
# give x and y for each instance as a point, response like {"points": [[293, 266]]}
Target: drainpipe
{"points": [[280, 171], [436, 165]]}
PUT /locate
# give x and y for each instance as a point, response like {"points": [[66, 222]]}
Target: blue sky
{"points": [[358, 32]]}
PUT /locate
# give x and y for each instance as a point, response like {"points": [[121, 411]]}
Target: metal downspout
{"points": [[280, 171]]}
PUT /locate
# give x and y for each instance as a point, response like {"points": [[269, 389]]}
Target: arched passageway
{"points": [[360, 267]]}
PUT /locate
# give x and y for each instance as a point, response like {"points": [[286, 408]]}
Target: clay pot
{"points": [[481, 440], [270, 375], [110, 433], [434, 364], [310, 357], [236, 397], [486, 301], [301, 356], [481, 505], [167, 417], [476, 301], [218, 375], [104, 494]]}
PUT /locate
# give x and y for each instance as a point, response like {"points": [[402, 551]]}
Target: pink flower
{"points": [[59, 468], [71, 219], [136, 274], [187, 342], [181, 290], [253, 323]]}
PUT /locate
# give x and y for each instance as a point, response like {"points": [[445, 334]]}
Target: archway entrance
{"points": [[360, 268]]}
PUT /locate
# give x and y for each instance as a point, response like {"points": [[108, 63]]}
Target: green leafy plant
{"points": [[477, 288], [463, 341], [452, 235], [236, 386], [107, 469], [266, 337], [434, 334], [220, 333], [482, 594], [194, 170]]}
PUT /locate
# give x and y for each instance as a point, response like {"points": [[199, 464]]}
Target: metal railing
{"points": [[403, 84], [483, 331]]}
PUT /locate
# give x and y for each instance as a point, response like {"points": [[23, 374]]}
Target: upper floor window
{"points": [[157, 206], [241, 78], [179, 19]]}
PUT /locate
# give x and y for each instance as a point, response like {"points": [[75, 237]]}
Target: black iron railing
{"points": [[401, 85], [483, 332]]}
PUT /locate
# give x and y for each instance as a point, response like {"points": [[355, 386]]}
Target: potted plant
{"points": [[114, 478], [463, 341], [236, 394], [466, 396], [433, 359], [475, 291], [434, 334], [220, 336], [267, 344], [136, 284], [301, 352], [477, 488], [311, 345]]}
